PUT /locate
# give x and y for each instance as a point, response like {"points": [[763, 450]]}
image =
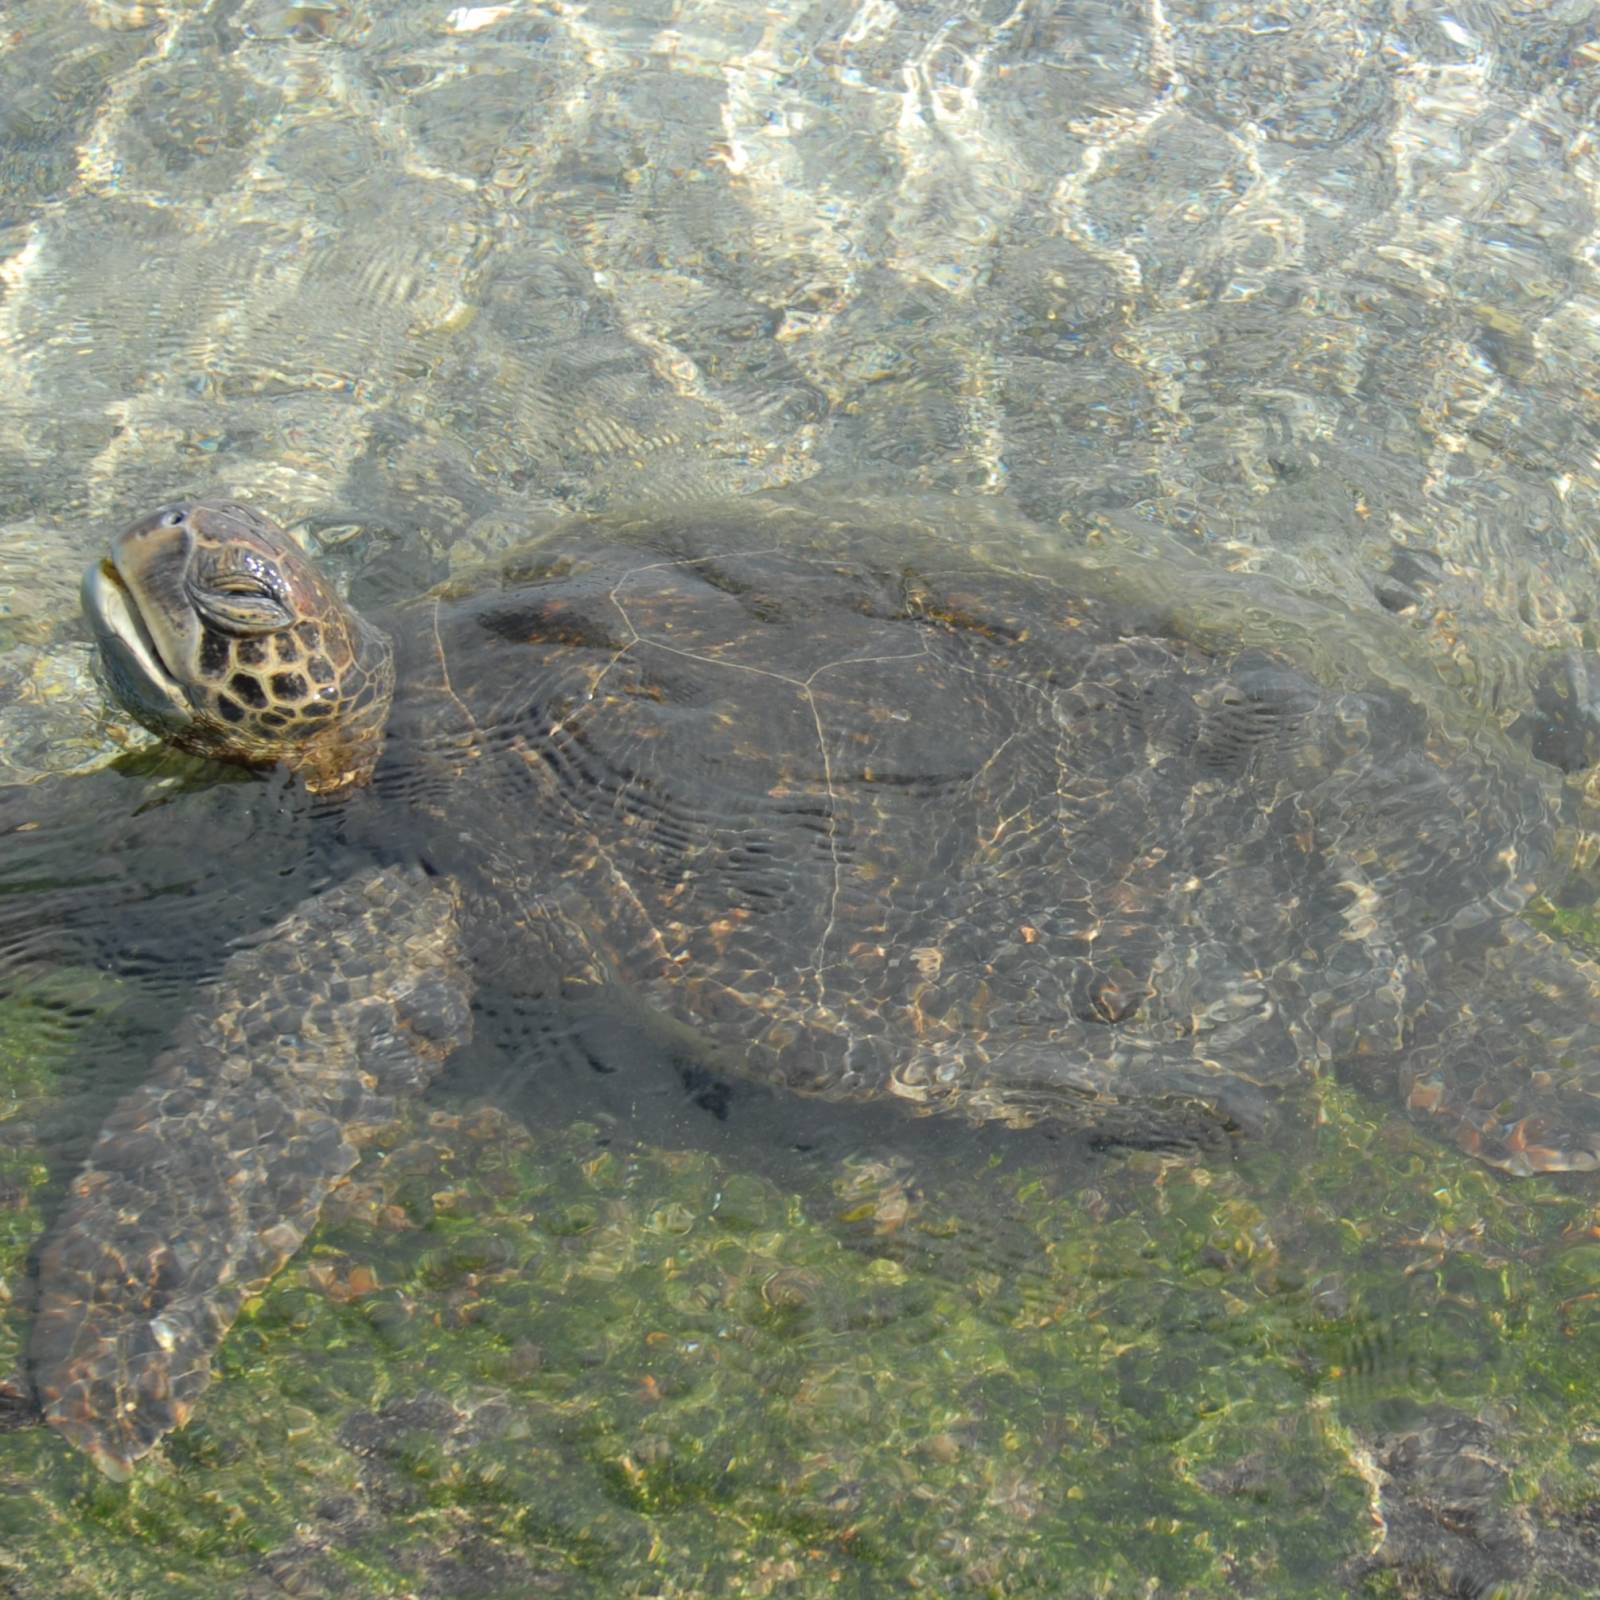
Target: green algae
{"points": [[41, 1032], [1578, 925], [45, 1029], [563, 1363]]}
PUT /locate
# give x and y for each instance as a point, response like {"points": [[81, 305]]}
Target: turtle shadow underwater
{"points": [[799, 797]]}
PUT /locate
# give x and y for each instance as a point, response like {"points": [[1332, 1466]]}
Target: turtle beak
{"points": [[142, 622]]}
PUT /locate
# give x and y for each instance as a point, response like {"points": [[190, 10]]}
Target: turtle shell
{"points": [[982, 840]]}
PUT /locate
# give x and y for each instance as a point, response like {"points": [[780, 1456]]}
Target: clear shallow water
{"points": [[1313, 291]]}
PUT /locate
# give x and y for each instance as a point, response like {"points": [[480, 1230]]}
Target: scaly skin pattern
{"points": [[207, 1179]]}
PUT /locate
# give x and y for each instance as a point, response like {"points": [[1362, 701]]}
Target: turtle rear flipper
{"points": [[204, 1181], [1506, 1059]]}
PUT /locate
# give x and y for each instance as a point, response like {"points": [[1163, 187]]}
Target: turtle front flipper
{"points": [[1505, 1057], [207, 1179]]}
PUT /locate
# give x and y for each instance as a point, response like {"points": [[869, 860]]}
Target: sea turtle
{"points": [[995, 842]]}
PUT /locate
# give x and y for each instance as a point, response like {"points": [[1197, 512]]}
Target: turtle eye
{"points": [[241, 603]]}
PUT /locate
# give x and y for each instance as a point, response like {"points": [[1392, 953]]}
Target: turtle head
{"points": [[218, 634]]}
